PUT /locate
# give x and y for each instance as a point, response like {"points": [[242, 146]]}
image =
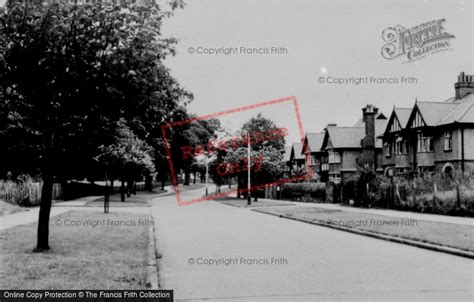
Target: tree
{"points": [[190, 137], [267, 148], [68, 73], [128, 158]]}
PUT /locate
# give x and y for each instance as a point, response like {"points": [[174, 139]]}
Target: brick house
{"points": [[312, 149], [349, 147], [438, 137]]}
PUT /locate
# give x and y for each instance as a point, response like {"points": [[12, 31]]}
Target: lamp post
{"points": [[207, 174], [249, 200]]}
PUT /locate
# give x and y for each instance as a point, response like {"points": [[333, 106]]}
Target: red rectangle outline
{"points": [[216, 114]]}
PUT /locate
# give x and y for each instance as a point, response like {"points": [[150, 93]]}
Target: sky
{"points": [[331, 38], [322, 38]]}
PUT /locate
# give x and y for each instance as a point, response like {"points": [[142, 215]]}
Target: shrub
{"points": [[310, 191], [428, 194]]}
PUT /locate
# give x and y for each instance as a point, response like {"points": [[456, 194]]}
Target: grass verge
{"points": [[8, 208], [107, 256], [439, 233], [242, 202]]}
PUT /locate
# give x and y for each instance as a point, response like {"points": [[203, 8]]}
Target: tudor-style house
{"points": [[297, 159], [350, 147], [286, 160], [312, 149], [433, 137]]}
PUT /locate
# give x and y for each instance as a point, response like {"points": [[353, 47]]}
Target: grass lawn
{"points": [[446, 234], [242, 203], [86, 257], [8, 208]]}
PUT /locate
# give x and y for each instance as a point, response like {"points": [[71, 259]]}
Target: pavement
{"points": [[32, 214], [259, 257]]}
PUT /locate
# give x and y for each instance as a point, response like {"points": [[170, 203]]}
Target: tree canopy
{"points": [[68, 75]]}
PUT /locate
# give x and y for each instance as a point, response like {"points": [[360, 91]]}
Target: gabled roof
{"points": [[433, 112], [380, 126], [313, 142], [463, 113], [345, 137], [296, 151], [287, 154], [403, 114], [398, 120], [443, 113]]}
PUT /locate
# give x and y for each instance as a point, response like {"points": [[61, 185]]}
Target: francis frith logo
{"points": [[416, 42]]}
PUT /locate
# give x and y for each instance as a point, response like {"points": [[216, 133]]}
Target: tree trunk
{"points": [[113, 188], [129, 188], [187, 177], [122, 192], [148, 183], [239, 186], [107, 195], [45, 209], [194, 180]]}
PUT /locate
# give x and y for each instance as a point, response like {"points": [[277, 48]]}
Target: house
{"points": [[350, 147], [438, 137], [297, 159], [397, 149], [312, 149], [287, 161]]}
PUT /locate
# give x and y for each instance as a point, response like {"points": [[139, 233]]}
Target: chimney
{"points": [[331, 124], [464, 86], [369, 112]]}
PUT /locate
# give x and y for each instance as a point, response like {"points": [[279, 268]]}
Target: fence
{"points": [[26, 193]]}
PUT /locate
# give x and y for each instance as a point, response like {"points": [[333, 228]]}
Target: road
{"points": [[310, 263]]}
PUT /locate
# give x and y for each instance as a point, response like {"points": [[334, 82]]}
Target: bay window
{"points": [[425, 143]]}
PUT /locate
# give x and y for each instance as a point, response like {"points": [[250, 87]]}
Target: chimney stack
{"points": [[369, 112], [464, 86]]}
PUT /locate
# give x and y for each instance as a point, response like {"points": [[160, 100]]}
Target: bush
{"points": [[427, 194], [304, 191]]}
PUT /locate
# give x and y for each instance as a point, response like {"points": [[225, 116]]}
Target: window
{"points": [[425, 143], [448, 141], [388, 149], [313, 160], [334, 157], [398, 145], [335, 177], [402, 146]]}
